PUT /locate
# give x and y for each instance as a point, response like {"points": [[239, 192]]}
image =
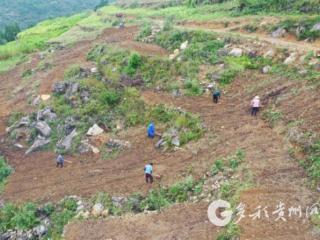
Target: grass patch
{"points": [[5, 171]]}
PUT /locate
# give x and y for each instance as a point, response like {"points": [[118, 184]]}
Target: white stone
{"points": [[184, 45], [236, 52], [95, 130]]}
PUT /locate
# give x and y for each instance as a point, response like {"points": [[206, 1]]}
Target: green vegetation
{"points": [[313, 162], [272, 116], [18, 217], [9, 33], [5, 171], [27, 14], [34, 38], [231, 231], [231, 161]]}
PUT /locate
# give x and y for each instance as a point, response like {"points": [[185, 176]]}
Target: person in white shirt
{"points": [[255, 105]]}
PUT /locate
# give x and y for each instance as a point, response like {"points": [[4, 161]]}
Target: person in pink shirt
{"points": [[255, 105]]}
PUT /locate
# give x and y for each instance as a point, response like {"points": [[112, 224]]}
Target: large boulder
{"points": [[38, 144], [95, 130], [24, 122], [66, 143], [43, 128], [236, 52]]}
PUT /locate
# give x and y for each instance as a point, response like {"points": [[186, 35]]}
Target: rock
{"points": [[266, 69], [280, 32], [40, 230], [291, 59], [83, 214], [118, 144], [176, 141], [72, 89], [59, 88], [118, 201], [269, 54], [105, 213], [94, 70], [85, 96], [46, 114], [160, 143], [38, 144], [222, 52], [45, 97], [97, 210], [253, 54], [316, 27], [24, 122], [36, 101], [236, 52], [66, 143], [17, 145], [43, 128], [300, 30], [95, 130], [184, 45]]}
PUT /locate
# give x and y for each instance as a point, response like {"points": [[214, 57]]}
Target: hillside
{"points": [[231, 88], [28, 13]]}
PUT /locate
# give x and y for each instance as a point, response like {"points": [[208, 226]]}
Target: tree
{"points": [[10, 32]]}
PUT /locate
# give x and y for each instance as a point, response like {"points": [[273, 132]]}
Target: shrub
{"points": [[72, 72], [14, 217], [272, 116], [145, 31], [110, 97], [134, 63], [193, 88], [5, 170], [217, 167]]}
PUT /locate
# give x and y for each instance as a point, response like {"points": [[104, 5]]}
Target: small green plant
{"points": [[230, 232], [72, 72], [5, 171], [145, 31], [193, 88], [272, 116], [217, 167], [134, 63]]}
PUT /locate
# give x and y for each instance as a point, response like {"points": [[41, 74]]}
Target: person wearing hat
{"points": [[255, 105]]}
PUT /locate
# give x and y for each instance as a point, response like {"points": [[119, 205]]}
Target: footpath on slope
{"points": [[277, 176], [287, 43]]}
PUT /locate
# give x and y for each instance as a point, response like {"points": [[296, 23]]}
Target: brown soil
{"points": [[278, 177]]}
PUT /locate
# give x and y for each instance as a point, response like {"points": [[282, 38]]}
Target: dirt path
{"points": [[278, 177], [287, 43]]}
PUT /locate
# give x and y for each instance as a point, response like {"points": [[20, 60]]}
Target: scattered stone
{"points": [[59, 88], [236, 52], [66, 143], [266, 69], [97, 210], [175, 141], [38, 144], [160, 143], [40, 230], [279, 33], [316, 27], [291, 59], [222, 52], [95, 130], [270, 54], [94, 70], [118, 201], [36, 101], [45, 97], [118, 144], [46, 114], [17, 145], [184, 45]]}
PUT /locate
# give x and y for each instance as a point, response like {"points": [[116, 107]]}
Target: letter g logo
{"points": [[226, 215]]}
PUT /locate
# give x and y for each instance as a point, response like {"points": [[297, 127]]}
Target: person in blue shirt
{"points": [[151, 131], [148, 170], [216, 95], [60, 161]]}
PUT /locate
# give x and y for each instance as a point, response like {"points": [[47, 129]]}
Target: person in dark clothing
{"points": [[60, 161], [216, 95], [148, 170]]}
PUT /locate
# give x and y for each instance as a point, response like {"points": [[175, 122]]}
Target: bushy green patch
{"points": [[18, 217], [5, 171], [163, 197], [313, 163], [232, 161], [272, 116], [72, 71], [231, 231], [145, 31], [193, 88]]}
